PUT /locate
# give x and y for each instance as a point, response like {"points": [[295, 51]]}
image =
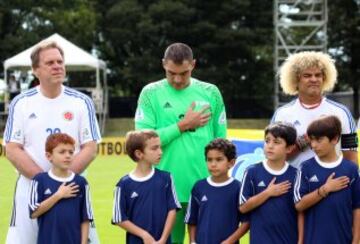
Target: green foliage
{"points": [[344, 37], [344, 40], [232, 42], [23, 23]]}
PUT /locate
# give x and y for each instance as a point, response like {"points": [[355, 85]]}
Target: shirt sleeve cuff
{"points": [[172, 132]]}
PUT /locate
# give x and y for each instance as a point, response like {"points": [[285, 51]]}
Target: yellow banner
{"points": [[116, 145], [108, 146], [245, 134], [112, 146]]}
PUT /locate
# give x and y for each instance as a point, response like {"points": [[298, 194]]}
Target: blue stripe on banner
{"points": [[348, 114], [91, 109], [9, 123]]}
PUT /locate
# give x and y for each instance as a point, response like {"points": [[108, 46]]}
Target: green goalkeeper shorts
{"points": [[178, 232]]}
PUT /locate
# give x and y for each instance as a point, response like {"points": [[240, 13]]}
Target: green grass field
{"points": [[102, 175]]}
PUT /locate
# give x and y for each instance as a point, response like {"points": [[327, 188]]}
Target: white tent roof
{"points": [[75, 57]]}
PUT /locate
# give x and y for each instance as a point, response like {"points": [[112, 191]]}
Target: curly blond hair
{"points": [[296, 63]]}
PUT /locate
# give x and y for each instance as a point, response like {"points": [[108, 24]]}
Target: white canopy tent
{"points": [[76, 59]]}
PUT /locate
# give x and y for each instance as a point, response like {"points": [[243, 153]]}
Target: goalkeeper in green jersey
{"points": [[187, 114]]}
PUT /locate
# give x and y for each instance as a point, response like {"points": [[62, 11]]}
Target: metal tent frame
{"points": [[299, 25]]}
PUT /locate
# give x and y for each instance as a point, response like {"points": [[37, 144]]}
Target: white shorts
{"points": [[23, 229]]}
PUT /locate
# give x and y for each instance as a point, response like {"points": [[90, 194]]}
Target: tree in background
{"points": [[232, 42], [23, 23], [344, 41]]}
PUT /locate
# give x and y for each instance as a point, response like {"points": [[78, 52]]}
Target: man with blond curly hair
{"points": [[309, 75]]}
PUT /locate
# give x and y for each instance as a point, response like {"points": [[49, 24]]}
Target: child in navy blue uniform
{"points": [[327, 188], [212, 214], [267, 190], [145, 201], [59, 199]]}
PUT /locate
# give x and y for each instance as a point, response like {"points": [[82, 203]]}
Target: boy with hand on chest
{"points": [[327, 188], [60, 199], [266, 192], [145, 201], [212, 214]]}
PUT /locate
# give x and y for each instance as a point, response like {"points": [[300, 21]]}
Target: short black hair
{"points": [[329, 126], [178, 53], [282, 130], [223, 145]]}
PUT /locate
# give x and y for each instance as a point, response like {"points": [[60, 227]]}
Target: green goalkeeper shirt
{"points": [[161, 107]]}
